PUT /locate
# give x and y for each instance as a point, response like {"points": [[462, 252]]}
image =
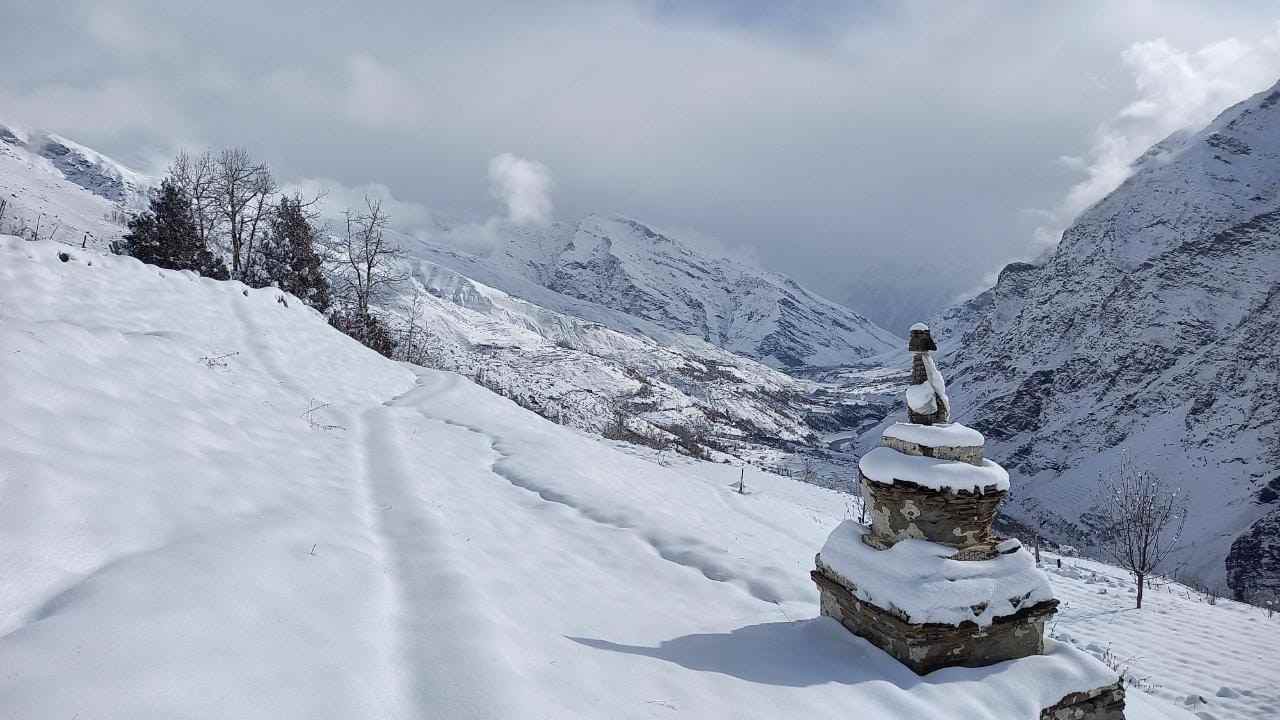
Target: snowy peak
{"points": [[630, 267], [1189, 185], [1148, 332]]}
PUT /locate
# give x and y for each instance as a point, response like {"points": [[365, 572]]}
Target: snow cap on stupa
{"points": [[927, 402]]}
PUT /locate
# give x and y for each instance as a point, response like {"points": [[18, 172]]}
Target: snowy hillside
{"points": [[1151, 330], [214, 505], [623, 265], [63, 190], [691, 396], [608, 369]]}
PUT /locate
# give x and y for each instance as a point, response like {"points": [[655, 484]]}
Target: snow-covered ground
{"points": [[55, 197], [1221, 660], [212, 505]]}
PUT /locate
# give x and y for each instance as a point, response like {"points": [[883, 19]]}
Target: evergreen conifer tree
{"points": [[166, 237], [287, 257]]}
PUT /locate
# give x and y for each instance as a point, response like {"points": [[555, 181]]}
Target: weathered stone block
{"points": [[1104, 703], [959, 519], [971, 454], [925, 647]]}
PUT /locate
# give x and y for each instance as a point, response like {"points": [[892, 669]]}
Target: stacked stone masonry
{"points": [[971, 454], [1104, 703], [959, 519], [925, 647], [962, 519]]}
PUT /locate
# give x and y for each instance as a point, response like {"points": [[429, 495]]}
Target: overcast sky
{"points": [[862, 147]]}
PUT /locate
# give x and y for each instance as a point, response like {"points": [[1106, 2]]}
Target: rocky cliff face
{"points": [[627, 266], [1150, 330]]}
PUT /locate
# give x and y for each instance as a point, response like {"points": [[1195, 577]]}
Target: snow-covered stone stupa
{"points": [[928, 581]]}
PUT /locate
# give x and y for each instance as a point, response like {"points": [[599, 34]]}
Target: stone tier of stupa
{"points": [[927, 580]]}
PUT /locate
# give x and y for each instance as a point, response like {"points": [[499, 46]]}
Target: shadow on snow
{"points": [[799, 653]]}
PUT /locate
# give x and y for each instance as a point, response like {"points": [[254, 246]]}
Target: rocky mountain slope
{"points": [[57, 189], [688, 396], [629, 267], [1150, 330]]}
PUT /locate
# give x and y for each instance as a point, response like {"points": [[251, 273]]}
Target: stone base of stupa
{"points": [[1104, 703], [925, 647]]}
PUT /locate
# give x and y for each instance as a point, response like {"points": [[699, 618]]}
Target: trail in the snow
{"points": [[441, 637], [685, 551], [252, 338]]}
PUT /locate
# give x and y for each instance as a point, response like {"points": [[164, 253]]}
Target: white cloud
{"points": [[119, 29], [379, 96], [335, 197], [524, 186], [113, 106], [1176, 90]]}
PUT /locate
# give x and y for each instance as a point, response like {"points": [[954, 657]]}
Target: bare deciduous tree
{"points": [[195, 176], [808, 469], [366, 258], [1140, 520], [243, 189], [413, 336]]}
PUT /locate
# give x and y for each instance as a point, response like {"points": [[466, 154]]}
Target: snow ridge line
{"points": [[687, 552], [439, 640]]}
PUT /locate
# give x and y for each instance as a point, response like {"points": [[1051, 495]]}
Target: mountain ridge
{"points": [[1149, 330], [622, 263]]}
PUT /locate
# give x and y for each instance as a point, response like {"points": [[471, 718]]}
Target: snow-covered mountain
{"points": [[689, 395], [214, 505], [58, 189], [1150, 330], [601, 369], [622, 264]]}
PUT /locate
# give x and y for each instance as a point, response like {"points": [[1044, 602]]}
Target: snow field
{"points": [[214, 505], [1221, 661]]}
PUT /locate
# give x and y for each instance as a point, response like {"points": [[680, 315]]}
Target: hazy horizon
{"points": [[889, 156]]}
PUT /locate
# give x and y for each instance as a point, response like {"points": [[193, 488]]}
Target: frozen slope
{"points": [[181, 537]]}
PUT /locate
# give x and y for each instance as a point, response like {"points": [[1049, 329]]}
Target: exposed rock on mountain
{"points": [[93, 171], [1152, 329], [57, 189]]}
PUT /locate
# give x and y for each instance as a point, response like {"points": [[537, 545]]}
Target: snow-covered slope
{"points": [[214, 505], [1151, 329], [690, 396], [624, 265], [63, 190], [590, 366]]}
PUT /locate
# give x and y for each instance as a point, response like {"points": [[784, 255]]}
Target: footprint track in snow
{"points": [[685, 551]]}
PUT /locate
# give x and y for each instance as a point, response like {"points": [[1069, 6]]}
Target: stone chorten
{"points": [[928, 581]]}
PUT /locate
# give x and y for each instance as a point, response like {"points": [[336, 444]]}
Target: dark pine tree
{"points": [[165, 236], [288, 257]]}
